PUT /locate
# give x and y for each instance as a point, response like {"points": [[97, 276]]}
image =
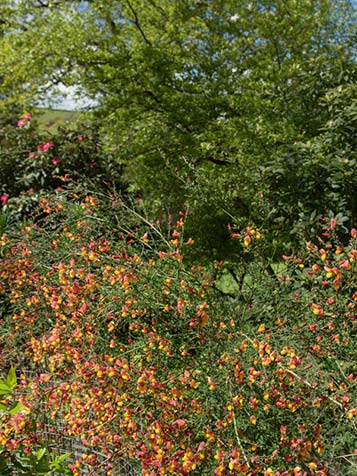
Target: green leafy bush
{"points": [[33, 161]]}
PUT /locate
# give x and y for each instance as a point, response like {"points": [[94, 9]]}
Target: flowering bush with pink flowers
{"points": [[140, 355], [33, 161]]}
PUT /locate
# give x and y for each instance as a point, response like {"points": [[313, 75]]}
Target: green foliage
{"points": [[318, 175], [9, 115], [33, 161], [8, 384], [206, 104]]}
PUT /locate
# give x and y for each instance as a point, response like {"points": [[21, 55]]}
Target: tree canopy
{"points": [[209, 104]]}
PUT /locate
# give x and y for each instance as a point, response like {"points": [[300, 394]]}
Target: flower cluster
{"points": [[24, 120], [247, 236], [141, 356]]}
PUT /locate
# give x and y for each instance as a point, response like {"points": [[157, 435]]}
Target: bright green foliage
{"points": [[207, 104], [8, 384]]}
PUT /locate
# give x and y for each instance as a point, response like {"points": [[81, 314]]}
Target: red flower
{"points": [[4, 198], [45, 147]]}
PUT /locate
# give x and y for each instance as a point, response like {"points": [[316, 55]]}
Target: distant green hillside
{"points": [[51, 119]]}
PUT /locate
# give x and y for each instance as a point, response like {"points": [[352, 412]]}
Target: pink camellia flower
{"points": [[32, 155], [4, 198], [80, 138], [45, 147], [21, 122], [56, 161]]}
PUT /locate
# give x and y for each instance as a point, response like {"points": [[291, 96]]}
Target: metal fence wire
{"points": [[54, 436]]}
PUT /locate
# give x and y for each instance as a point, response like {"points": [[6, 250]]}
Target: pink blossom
{"points": [[180, 422], [22, 122], [4, 198], [32, 155], [353, 232], [45, 147], [56, 161], [80, 138], [345, 264]]}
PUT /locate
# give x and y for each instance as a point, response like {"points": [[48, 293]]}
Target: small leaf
{"points": [[40, 453], [4, 388], [56, 464], [11, 378], [16, 409]]}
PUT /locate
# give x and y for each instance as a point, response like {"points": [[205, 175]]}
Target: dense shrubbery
{"points": [[186, 356], [142, 355], [33, 161]]}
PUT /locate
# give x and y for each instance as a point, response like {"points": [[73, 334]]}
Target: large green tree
{"points": [[9, 110], [205, 102]]}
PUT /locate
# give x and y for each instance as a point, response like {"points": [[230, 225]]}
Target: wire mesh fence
{"points": [[59, 443], [56, 439]]}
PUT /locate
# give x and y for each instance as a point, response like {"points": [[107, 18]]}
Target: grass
{"points": [[228, 285], [52, 119]]}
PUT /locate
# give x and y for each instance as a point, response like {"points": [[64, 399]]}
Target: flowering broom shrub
{"points": [[139, 354], [18, 437]]}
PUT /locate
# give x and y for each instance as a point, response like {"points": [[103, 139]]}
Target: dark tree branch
{"points": [[213, 160], [137, 23], [217, 161], [235, 278]]}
